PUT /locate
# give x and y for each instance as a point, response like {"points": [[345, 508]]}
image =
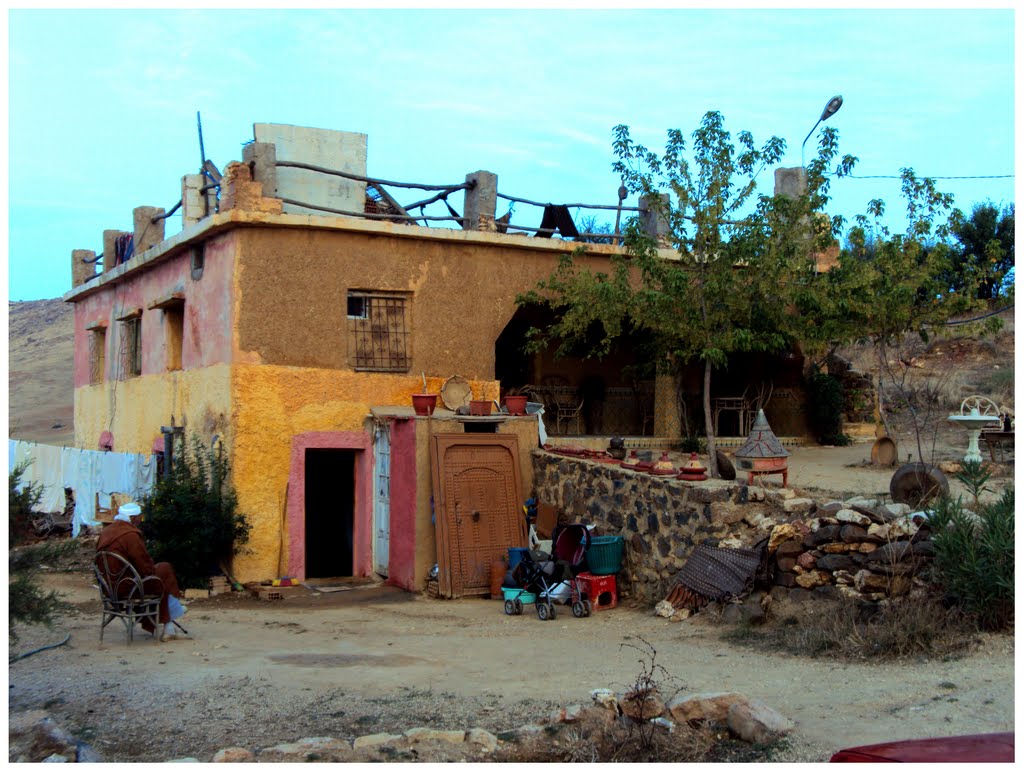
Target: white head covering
{"points": [[126, 512]]}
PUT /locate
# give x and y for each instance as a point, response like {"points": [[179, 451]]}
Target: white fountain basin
{"points": [[974, 422]]}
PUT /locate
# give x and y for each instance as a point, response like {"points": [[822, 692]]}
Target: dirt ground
{"points": [[376, 659]]}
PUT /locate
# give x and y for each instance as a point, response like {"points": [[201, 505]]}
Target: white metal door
{"points": [[381, 498]]}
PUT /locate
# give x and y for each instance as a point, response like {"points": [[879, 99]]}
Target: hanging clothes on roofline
{"points": [[557, 218], [124, 246]]}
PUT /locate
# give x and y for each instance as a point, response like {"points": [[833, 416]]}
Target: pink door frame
{"points": [[402, 506], [362, 515]]}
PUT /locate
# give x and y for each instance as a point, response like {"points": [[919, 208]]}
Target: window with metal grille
{"points": [[131, 346], [97, 354], [378, 331]]}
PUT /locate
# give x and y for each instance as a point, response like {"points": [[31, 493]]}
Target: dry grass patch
{"points": [[897, 629]]}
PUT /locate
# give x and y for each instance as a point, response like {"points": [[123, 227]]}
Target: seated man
{"points": [[124, 538]]}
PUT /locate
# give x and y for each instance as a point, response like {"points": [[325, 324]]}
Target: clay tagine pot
{"points": [[631, 462], [617, 448], [692, 470], [663, 466]]}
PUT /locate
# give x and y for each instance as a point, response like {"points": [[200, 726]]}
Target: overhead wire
{"points": [[922, 176]]}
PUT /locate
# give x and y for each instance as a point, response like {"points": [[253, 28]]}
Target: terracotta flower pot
{"points": [[516, 404], [480, 407], [424, 404]]}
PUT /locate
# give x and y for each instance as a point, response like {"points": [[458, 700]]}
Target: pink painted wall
{"points": [[362, 536], [402, 539], [208, 334]]}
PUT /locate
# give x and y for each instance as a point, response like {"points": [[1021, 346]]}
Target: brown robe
{"points": [[125, 539]]}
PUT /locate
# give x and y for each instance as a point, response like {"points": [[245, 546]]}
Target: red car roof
{"points": [[966, 748]]}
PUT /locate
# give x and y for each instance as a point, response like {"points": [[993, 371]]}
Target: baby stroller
{"points": [[540, 574]]}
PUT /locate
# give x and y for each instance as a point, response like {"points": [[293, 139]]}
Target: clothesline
{"points": [[86, 472]]}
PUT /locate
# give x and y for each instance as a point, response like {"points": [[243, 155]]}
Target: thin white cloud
{"points": [[459, 108], [587, 139]]}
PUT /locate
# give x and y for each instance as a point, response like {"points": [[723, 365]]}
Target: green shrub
{"points": [[191, 519], [825, 404], [974, 475], [693, 445], [21, 500], [974, 558], [28, 603]]}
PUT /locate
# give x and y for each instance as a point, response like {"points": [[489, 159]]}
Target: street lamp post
{"points": [[830, 109]]}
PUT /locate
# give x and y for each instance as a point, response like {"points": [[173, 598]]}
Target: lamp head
{"points": [[832, 107]]}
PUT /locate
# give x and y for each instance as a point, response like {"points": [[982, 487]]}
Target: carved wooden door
{"points": [[477, 506]]}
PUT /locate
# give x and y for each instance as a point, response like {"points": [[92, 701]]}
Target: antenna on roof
{"points": [[202, 150], [207, 168]]}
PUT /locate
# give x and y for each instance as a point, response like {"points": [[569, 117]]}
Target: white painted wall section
{"points": [[341, 150]]}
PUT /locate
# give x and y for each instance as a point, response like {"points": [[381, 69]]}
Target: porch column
{"points": [[668, 421], [81, 272], [481, 201], [261, 158], [653, 217], [147, 233], [110, 248], [195, 205]]}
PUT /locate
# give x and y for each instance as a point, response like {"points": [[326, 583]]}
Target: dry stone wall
{"points": [[662, 519], [859, 548]]}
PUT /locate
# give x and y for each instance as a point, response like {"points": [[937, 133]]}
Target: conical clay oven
{"points": [[762, 453]]}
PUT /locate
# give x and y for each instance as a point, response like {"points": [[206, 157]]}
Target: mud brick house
{"points": [[291, 320], [296, 339]]}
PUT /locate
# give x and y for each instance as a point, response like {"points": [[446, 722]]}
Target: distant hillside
{"points": [[40, 378]]}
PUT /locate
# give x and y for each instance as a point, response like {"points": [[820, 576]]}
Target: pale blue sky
{"points": [[102, 104]]}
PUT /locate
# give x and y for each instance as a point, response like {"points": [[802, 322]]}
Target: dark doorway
{"points": [[330, 508]]}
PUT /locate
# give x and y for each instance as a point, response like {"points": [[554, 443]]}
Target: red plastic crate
{"points": [[601, 590]]}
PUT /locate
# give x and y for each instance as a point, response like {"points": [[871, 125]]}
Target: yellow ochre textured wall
{"points": [[201, 399], [274, 404]]}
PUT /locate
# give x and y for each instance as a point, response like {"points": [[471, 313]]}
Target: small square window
{"points": [[379, 331], [131, 346], [97, 354], [174, 330], [356, 306], [198, 261]]}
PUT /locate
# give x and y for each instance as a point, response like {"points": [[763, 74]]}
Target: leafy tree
{"points": [[825, 401], [888, 285], [725, 290], [603, 232], [986, 238], [191, 518], [28, 603]]}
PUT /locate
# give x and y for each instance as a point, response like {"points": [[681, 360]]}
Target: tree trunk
{"points": [[712, 459], [881, 407]]}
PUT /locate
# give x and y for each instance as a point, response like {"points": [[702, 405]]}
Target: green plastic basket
{"points": [[511, 593], [605, 555]]}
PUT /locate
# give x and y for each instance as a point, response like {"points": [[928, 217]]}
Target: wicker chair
{"points": [[126, 595]]}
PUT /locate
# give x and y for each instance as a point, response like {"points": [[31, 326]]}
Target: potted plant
{"points": [[480, 406], [424, 403], [515, 401]]}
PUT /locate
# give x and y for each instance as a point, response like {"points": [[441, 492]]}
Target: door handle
{"points": [[476, 517]]}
